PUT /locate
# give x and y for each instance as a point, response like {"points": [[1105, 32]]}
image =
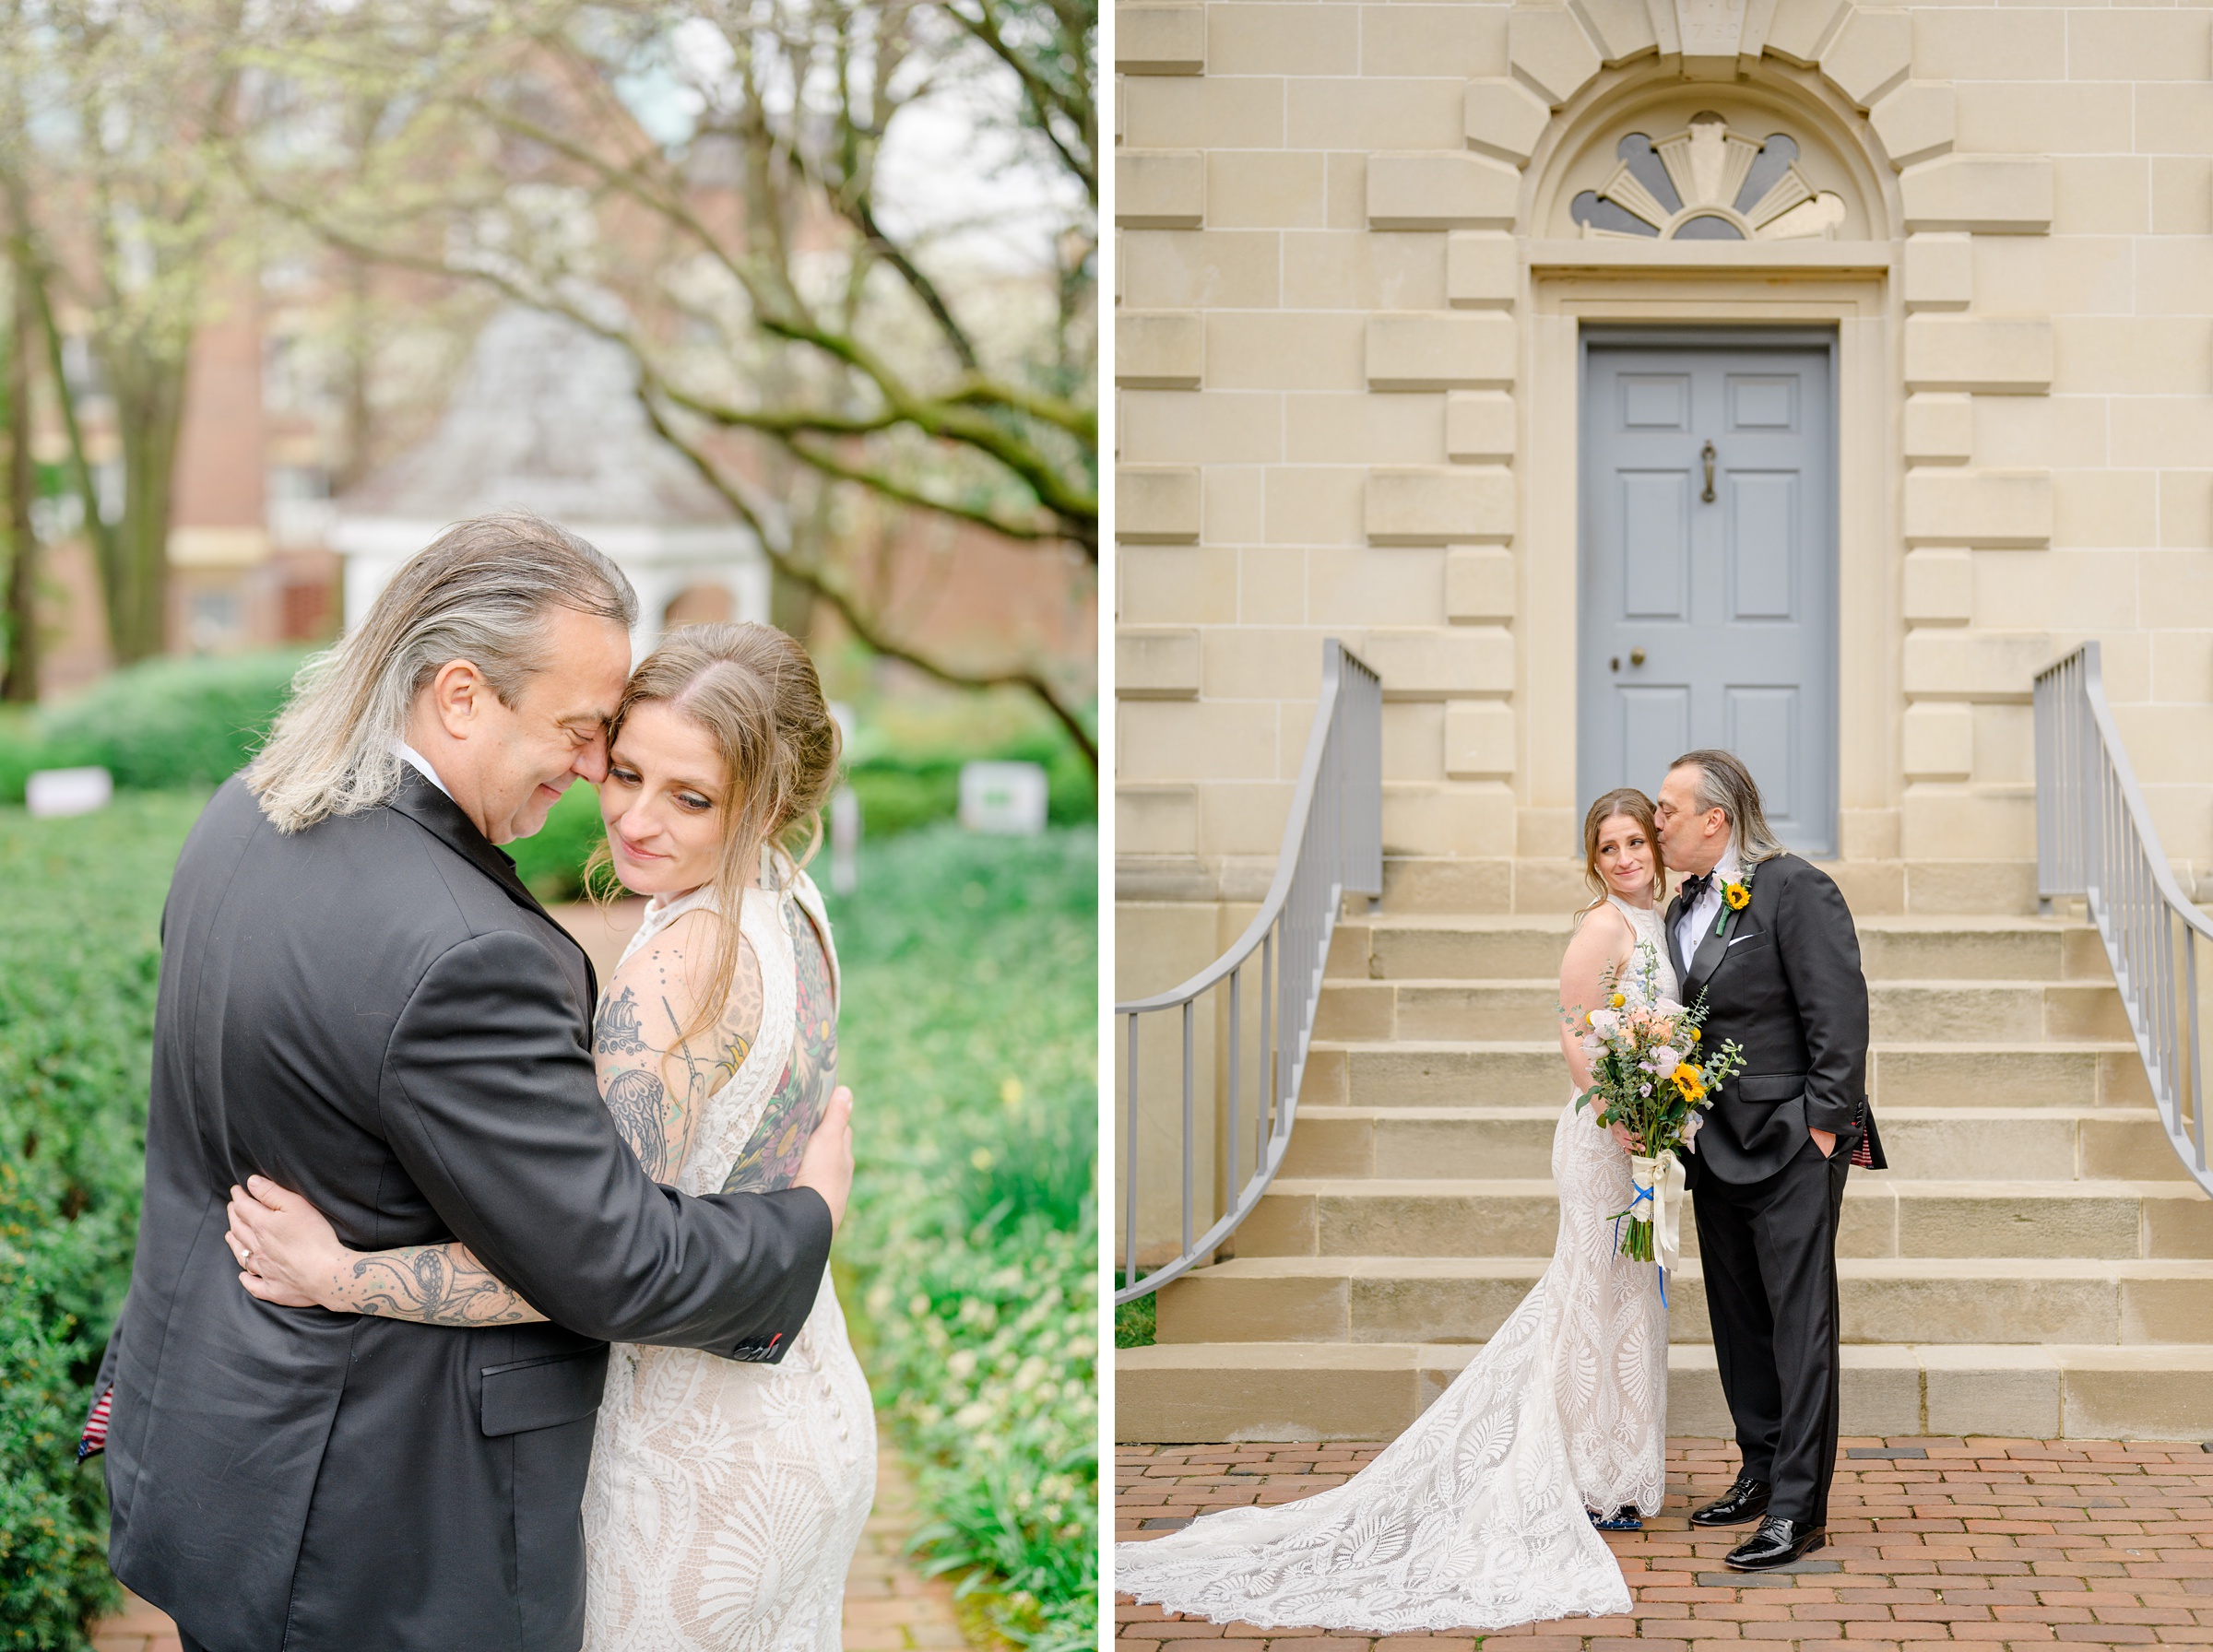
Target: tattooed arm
{"points": [[290, 1255], [654, 1083]]}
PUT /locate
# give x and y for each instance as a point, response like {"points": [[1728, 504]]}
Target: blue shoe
{"points": [[1625, 1518]]}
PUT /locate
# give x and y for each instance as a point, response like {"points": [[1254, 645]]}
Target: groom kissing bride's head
{"points": [[368, 1030], [1707, 807]]}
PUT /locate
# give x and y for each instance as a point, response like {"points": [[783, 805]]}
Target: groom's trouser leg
{"points": [[1795, 1231], [1744, 1332]]}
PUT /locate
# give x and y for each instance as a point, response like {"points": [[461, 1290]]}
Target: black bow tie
{"points": [[1697, 888]]}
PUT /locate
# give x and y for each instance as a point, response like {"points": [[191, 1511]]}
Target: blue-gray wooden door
{"points": [[1709, 573]]}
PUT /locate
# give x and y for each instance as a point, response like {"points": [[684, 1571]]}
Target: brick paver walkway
{"points": [[889, 1605], [2020, 1542]]}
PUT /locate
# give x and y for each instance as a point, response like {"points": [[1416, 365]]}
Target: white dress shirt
{"points": [[420, 763], [1697, 922]]}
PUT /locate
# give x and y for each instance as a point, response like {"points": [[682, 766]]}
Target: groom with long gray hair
{"points": [[360, 1002], [1767, 938]]}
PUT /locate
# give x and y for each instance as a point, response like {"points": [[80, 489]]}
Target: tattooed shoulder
{"points": [[620, 1032]]}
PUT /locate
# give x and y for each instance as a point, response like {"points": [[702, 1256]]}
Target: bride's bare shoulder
{"points": [[1601, 934]]}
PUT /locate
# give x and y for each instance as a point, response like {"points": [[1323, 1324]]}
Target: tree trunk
{"points": [[149, 404], [358, 322], [22, 682]]}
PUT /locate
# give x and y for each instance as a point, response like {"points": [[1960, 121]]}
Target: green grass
{"points": [[967, 1034], [966, 1031], [1133, 1321]]}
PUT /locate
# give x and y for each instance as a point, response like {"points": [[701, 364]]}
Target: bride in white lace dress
{"points": [[725, 1499], [1483, 1514]]}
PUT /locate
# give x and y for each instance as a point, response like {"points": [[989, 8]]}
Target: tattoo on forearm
{"points": [[637, 1100], [432, 1284]]}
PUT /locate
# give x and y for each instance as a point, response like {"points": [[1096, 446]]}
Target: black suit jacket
{"points": [[1785, 984], [376, 1012]]}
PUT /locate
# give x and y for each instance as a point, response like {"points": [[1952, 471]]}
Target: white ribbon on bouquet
{"points": [[1659, 1183]]}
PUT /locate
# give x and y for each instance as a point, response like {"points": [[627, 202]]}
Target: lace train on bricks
{"points": [[1475, 1516], [725, 1500]]}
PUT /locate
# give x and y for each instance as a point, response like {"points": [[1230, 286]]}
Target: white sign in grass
{"points": [[1003, 797], [52, 792]]}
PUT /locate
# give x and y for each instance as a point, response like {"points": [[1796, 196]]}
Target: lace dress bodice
{"points": [[1649, 925], [725, 1500], [1478, 1516]]}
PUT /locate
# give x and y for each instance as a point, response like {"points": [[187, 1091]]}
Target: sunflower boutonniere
{"points": [[1735, 897]]}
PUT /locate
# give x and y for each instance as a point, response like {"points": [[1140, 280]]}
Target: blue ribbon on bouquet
{"points": [[1639, 1195]]}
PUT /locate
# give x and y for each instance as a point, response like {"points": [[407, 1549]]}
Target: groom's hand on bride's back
{"points": [[827, 1165]]}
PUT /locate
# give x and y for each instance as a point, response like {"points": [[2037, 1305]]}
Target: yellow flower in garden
{"points": [[1691, 1083], [1738, 897], [1616, 1001]]}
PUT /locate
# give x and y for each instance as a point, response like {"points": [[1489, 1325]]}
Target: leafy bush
{"points": [[897, 797], [54, 1566], [967, 1032], [902, 792], [553, 862], [165, 723], [78, 963]]}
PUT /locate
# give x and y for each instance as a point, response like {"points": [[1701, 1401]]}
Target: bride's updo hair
{"points": [[1627, 800], [754, 693]]}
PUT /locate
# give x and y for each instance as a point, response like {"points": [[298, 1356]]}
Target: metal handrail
{"points": [[1332, 847], [2094, 838]]}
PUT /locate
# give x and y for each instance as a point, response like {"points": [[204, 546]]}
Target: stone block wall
{"points": [[1333, 235]]}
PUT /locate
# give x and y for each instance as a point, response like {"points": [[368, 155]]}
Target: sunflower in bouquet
{"points": [[1651, 1074]]}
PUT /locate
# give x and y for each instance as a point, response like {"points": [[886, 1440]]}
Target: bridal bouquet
{"points": [[1650, 1077]]}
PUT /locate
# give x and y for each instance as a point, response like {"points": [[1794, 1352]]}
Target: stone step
{"points": [[1883, 1215], [1900, 1012], [1479, 947], [1922, 1143], [1530, 1072], [1883, 1299], [1214, 1391]]}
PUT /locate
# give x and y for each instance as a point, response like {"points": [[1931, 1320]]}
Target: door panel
{"points": [[1762, 728], [1762, 402], [1655, 401], [1763, 553], [1651, 716], [1710, 622], [1655, 514]]}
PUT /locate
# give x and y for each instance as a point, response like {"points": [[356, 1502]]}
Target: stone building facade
{"points": [[1366, 252]]}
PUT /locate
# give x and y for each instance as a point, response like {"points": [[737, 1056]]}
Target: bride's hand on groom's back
{"points": [[281, 1243], [827, 1165]]}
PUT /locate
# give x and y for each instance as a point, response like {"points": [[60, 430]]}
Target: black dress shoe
{"points": [[1747, 1500], [1777, 1542]]}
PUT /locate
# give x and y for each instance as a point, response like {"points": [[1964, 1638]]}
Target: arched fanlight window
{"points": [[1707, 183]]}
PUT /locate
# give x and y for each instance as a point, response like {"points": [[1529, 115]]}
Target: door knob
{"points": [[1706, 453], [1636, 656]]}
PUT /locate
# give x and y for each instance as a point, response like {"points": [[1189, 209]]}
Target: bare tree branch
{"points": [[775, 546]]}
